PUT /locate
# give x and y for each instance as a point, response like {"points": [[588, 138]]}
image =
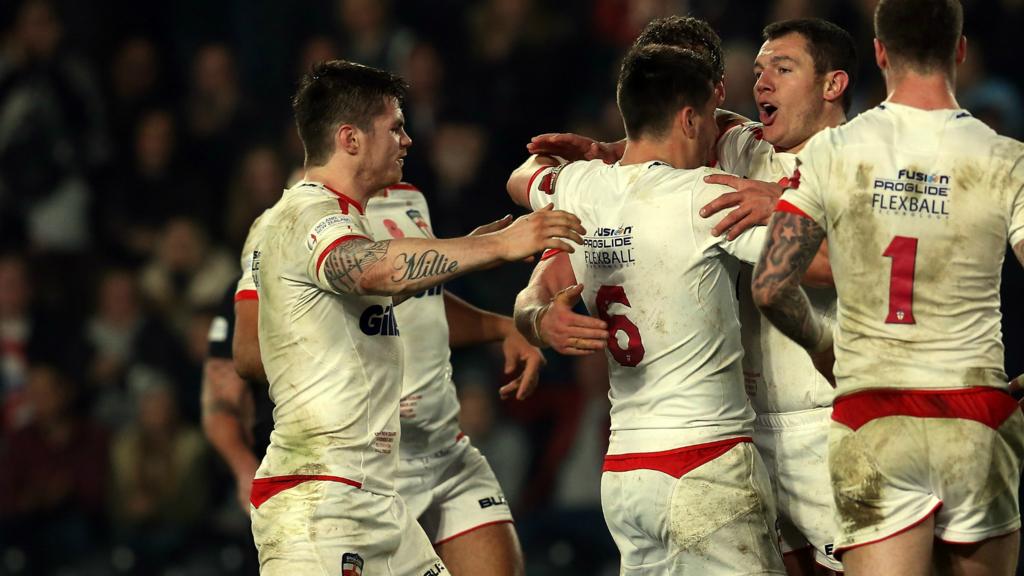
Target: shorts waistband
{"points": [[989, 406], [675, 462], [779, 420]]}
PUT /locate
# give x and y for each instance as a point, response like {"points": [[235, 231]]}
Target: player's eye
{"points": [[784, 70]]}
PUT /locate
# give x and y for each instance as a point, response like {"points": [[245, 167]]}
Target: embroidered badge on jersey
{"points": [[327, 223], [420, 222], [351, 564]]}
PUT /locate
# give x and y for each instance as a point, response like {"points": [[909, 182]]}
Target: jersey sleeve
{"points": [[746, 247], [328, 228], [1017, 204], [542, 187], [806, 195], [733, 147]]}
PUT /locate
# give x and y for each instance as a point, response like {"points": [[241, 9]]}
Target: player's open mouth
{"points": [[767, 113]]}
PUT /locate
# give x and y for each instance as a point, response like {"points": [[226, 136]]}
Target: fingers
{"points": [[569, 296], [724, 201], [493, 226], [742, 226], [730, 220], [724, 179], [530, 377]]}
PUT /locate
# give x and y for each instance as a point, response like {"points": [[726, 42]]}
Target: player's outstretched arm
{"points": [[225, 401], [574, 147], [409, 265], [793, 241], [518, 185], [753, 203], [468, 325], [544, 311], [245, 344]]}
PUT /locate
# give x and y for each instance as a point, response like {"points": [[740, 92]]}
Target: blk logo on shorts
{"points": [[498, 500], [436, 570], [351, 564]]}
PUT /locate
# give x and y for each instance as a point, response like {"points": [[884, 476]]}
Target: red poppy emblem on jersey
{"points": [[545, 183], [351, 564], [791, 181], [393, 228]]}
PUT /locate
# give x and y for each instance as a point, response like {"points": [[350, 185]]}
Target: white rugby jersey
{"points": [[334, 361], [779, 374], [429, 408], [653, 271], [246, 288], [918, 206]]}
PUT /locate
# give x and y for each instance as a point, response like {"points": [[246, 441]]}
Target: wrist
{"points": [[538, 316]]}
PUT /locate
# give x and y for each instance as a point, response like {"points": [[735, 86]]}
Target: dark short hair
{"points": [[685, 32], [339, 92], [657, 81], [830, 47], [920, 34]]}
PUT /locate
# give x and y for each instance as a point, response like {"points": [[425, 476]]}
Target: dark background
{"points": [[139, 140]]}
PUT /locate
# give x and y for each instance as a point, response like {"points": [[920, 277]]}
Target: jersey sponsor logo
{"points": [[328, 223], [420, 222], [436, 570], [912, 193], [254, 267], [351, 564], [498, 500], [830, 548], [435, 291], [609, 247], [378, 320]]}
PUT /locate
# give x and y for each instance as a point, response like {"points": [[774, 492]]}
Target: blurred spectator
{"points": [[26, 333], [158, 490], [502, 443], [218, 121], [156, 186], [54, 476], [992, 99], [739, 77], [257, 184], [122, 336], [317, 49], [618, 22], [135, 84], [53, 133], [369, 35], [186, 273], [424, 70]]}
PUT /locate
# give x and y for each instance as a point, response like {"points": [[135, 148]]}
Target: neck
{"points": [[831, 117], [677, 155], [348, 182], [933, 91]]}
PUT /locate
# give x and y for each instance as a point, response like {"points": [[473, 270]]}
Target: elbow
{"points": [[765, 297]]}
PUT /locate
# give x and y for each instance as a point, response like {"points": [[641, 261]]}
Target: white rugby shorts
{"points": [[702, 510]]}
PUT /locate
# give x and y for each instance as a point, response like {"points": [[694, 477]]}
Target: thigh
{"points": [[881, 479], [492, 549], [977, 471], [467, 498], [993, 557], [723, 518]]}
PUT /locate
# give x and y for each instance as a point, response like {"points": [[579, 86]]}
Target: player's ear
{"points": [[688, 121], [961, 50], [836, 83], [881, 56], [347, 139]]}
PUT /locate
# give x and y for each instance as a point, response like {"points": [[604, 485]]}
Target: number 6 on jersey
{"points": [[633, 353]]}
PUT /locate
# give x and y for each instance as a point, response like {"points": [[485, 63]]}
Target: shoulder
{"points": [[404, 191]]}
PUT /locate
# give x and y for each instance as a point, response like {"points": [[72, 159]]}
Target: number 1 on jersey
{"points": [[903, 251], [633, 353]]}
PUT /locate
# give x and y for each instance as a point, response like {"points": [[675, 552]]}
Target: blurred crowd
{"points": [[138, 141]]}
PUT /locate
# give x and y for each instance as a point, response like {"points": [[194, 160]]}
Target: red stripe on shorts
{"points": [[264, 489], [990, 406], [674, 462]]}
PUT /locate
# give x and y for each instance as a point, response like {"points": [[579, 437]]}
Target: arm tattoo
{"points": [[345, 265], [427, 264], [793, 240], [1019, 251]]}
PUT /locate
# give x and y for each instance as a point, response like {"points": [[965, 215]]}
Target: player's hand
{"points": [[1016, 388], [566, 331], [492, 227], [825, 361], [524, 361], [574, 147], [754, 201], [244, 475], [542, 230]]}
